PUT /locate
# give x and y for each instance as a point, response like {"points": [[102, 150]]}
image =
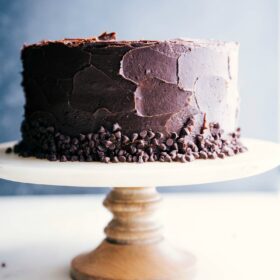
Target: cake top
{"points": [[111, 38]]}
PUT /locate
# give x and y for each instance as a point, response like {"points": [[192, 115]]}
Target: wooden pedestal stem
{"points": [[133, 220], [134, 248]]}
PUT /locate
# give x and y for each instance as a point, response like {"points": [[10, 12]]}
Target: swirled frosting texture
{"points": [[80, 85]]}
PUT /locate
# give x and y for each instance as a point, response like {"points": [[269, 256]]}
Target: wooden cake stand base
{"points": [[134, 248]]}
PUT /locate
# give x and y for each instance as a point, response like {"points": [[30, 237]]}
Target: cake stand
{"points": [[134, 248]]}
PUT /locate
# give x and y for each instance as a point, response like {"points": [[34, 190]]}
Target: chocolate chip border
{"points": [[45, 142]]}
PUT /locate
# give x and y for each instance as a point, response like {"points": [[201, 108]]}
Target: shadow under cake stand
{"points": [[134, 247]]}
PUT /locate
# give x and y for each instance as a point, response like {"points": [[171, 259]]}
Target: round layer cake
{"points": [[99, 99]]}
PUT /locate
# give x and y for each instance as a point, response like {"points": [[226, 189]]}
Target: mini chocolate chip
{"points": [[108, 143], [178, 156], [102, 136], [159, 135], [173, 154], [195, 148], [125, 139], [82, 137], [101, 129], [121, 153], [208, 143], [74, 158], [122, 158], [8, 150], [50, 129], [190, 128], [143, 134], [221, 155], [89, 158], [67, 140], [3, 264], [145, 157], [134, 137], [189, 151], [162, 158], [190, 144], [183, 159], [53, 148], [169, 142], [189, 158], [112, 147], [167, 158], [75, 141], [184, 131], [151, 134], [45, 146], [106, 159], [73, 149], [200, 138], [162, 147], [242, 149], [175, 146], [129, 158], [116, 127], [213, 155], [118, 134], [190, 122], [181, 140], [225, 142], [25, 154], [140, 152], [228, 151], [133, 149], [150, 150], [115, 159], [95, 137], [89, 136], [87, 150], [112, 138], [196, 155], [235, 150], [63, 158], [100, 154], [151, 158], [174, 135], [141, 144], [52, 158], [155, 142], [203, 155], [81, 158], [140, 159]]}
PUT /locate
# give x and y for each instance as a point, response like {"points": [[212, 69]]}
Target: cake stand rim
{"points": [[37, 171]]}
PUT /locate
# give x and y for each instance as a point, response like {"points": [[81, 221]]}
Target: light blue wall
{"points": [[251, 22]]}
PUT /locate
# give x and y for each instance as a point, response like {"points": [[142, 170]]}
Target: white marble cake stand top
{"points": [[261, 157]]}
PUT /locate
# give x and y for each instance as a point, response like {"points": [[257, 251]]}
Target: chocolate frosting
{"points": [[82, 84]]}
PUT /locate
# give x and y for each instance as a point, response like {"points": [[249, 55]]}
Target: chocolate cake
{"points": [[98, 99]]}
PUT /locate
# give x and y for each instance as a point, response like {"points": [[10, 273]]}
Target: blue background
{"points": [[252, 23]]}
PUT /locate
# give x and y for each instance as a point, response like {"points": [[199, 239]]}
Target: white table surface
{"points": [[234, 236]]}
